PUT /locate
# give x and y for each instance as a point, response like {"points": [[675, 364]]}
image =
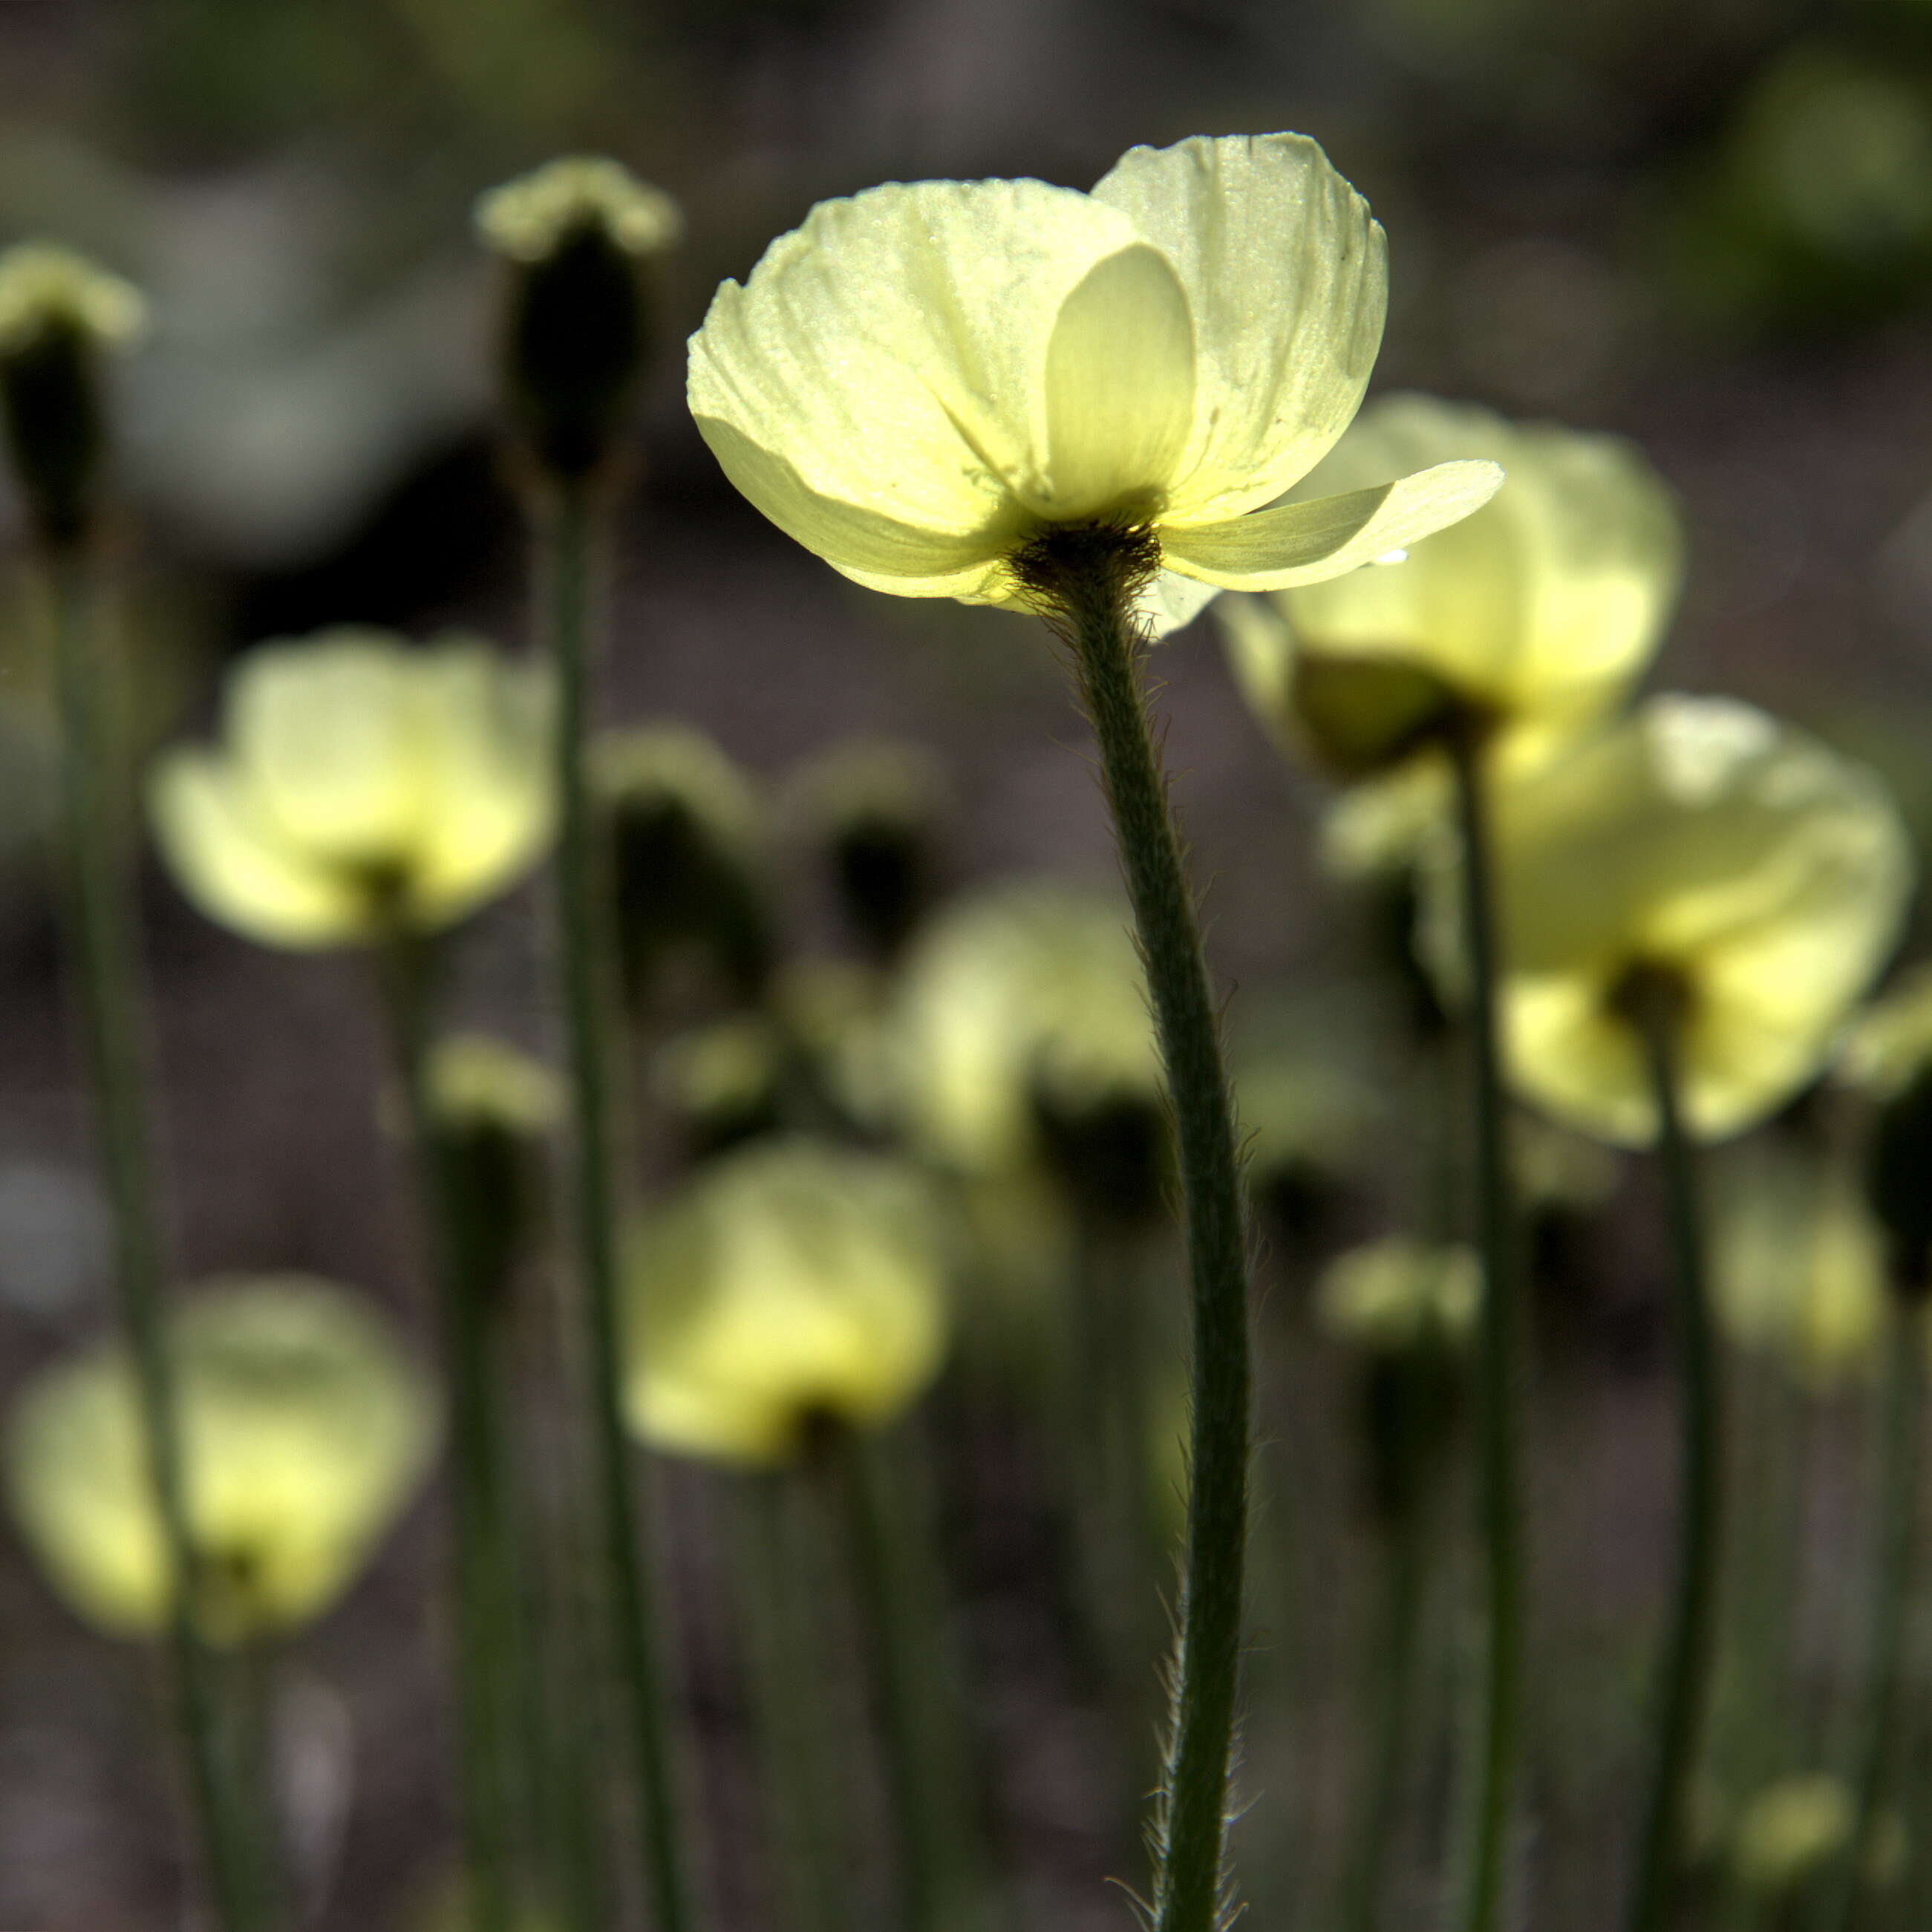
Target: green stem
{"points": [[787, 1669], [569, 527], [1404, 1569], [1499, 1365], [91, 762], [1092, 587], [484, 1665], [1895, 1550], [903, 1615], [1689, 1645]]}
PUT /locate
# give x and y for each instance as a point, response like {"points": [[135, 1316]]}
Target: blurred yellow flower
{"points": [[1399, 1294], [1703, 842], [305, 1430], [792, 1284], [1798, 1268], [1026, 992], [923, 377], [362, 780], [1534, 615], [1890, 1048], [1789, 1831]]}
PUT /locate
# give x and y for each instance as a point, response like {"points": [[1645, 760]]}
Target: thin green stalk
{"points": [[485, 1666], [1405, 1570], [903, 1615], [1499, 1366], [1895, 1550], [569, 529], [788, 1665], [1689, 1645], [1087, 580], [92, 763]]}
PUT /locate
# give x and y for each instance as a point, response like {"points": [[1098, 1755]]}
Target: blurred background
{"points": [[1706, 224]]}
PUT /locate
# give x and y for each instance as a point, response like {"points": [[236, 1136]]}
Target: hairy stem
{"points": [[91, 762], [1086, 580], [1499, 1366], [1689, 1644], [570, 533]]}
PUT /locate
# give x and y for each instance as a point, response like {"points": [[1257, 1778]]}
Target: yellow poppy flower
{"points": [[925, 376], [1029, 992], [1535, 614], [1398, 1294], [1704, 841], [45, 288], [529, 218], [792, 1284], [362, 780], [305, 1432]]}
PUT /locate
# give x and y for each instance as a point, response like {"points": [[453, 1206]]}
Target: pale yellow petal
{"points": [[322, 736], [237, 871], [1120, 388], [1303, 543], [1171, 601], [1286, 275], [1545, 604], [866, 545], [893, 351]]}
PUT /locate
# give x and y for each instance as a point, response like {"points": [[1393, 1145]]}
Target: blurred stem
{"points": [[904, 1619], [485, 1664], [1499, 1370], [569, 518], [92, 766], [1092, 591], [1404, 1553], [1895, 1548], [787, 1666], [1689, 1644]]}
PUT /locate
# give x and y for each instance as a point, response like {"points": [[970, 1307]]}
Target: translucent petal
{"points": [[1120, 388], [1303, 543], [893, 350], [323, 737], [238, 870], [1171, 601], [1546, 603], [870, 547], [1286, 275]]}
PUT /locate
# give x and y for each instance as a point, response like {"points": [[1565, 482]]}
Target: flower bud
{"points": [[682, 824], [59, 314], [579, 234]]}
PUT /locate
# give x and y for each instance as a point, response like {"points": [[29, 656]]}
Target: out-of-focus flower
{"points": [[1789, 1831], [1397, 1294], [1023, 995], [924, 378], [875, 806], [579, 234], [1701, 844], [794, 1285], [58, 315], [1531, 617], [685, 834], [1798, 1267], [305, 1430], [1888, 1058], [361, 782]]}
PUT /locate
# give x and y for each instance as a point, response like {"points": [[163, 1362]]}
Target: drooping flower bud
{"points": [[580, 234], [59, 316]]}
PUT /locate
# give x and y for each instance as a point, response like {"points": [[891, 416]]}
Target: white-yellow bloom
{"points": [[1798, 1268], [1535, 614], [923, 377], [1398, 1294], [304, 1431], [361, 780], [1029, 990], [1704, 842], [792, 1284]]}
